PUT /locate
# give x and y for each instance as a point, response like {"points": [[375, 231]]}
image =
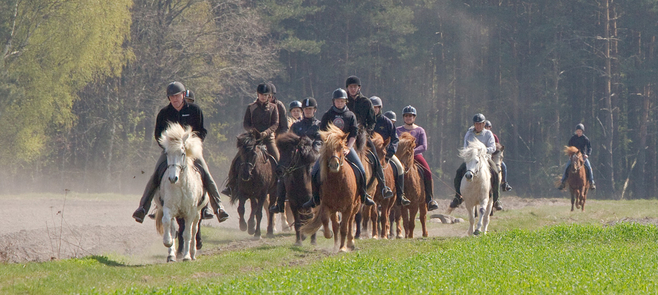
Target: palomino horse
{"points": [[476, 186], [256, 179], [371, 213], [297, 157], [577, 178], [182, 196], [413, 186], [338, 191]]}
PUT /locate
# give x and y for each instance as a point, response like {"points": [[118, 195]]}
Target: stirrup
{"points": [[276, 209], [432, 205], [456, 202], [404, 201], [387, 192], [562, 185]]}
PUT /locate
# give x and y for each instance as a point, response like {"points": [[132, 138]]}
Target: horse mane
{"points": [[475, 149], [247, 141], [571, 150], [175, 135], [407, 143], [378, 141], [287, 140], [333, 138]]}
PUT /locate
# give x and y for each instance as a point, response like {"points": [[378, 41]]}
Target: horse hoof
{"points": [[187, 259], [476, 232], [343, 250], [257, 238], [270, 235], [171, 259], [168, 244], [298, 243], [314, 242], [243, 225]]}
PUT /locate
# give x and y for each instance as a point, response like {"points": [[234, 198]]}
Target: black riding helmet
{"points": [[376, 101], [175, 88], [309, 102], [479, 118], [487, 123], [339, 93], [352, 80], [272, 88], [391, 115], [295, 104], [263, 89], [189, 95], [409, 110], [581, 127]]}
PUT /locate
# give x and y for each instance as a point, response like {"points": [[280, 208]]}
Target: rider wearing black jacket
{"points": [[179, 111]]}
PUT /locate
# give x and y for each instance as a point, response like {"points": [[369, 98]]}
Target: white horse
{"points": [[476, 185], [182, 196]]}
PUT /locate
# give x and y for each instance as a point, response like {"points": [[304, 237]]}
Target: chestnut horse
{"points": [[297, 157], [371, 213], [577, 178], [338, 191], [413, 186], [256, 179]]}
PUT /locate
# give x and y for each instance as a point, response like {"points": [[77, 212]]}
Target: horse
{"points": [[372, 213], [256, 179], [362, 150], [413, 186], [577, 178], [338, 191], [297, 158], [476, 186], [183, 195]]}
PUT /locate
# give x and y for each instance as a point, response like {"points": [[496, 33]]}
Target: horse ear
{"points": [[186, 136]]}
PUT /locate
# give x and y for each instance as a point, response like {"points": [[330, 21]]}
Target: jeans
{"points": [[590, 175]]}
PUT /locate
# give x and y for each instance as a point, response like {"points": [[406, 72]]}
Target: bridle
{"points": [[181, 166], [294, 165]]}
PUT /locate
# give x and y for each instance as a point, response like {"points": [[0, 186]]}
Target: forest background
{"points": [[82, 81]]}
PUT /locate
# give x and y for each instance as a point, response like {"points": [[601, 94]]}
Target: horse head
{"points": [[575, 157], [332, 152], [380, 146], [181, 147], [475, 157], [295, 152], [405, 152], [248, 153]]}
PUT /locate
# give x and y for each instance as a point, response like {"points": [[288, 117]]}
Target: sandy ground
{"points": [[52, 227]]}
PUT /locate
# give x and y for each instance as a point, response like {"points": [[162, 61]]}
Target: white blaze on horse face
{"points": [[175, 161], [472, 168]]}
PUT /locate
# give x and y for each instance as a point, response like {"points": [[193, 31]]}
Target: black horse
{"points": [[297, 158]]}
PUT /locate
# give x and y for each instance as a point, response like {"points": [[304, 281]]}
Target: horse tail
{"points": [[313, 225], [158, 221]]}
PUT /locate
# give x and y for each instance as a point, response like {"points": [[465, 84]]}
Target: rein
{"points": [[293, 164]]}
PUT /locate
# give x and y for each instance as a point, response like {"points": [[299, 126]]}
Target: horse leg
{"points": [[405, 220], [195, 230], [243, 224], [251, 223], [423, 219], [258, 214], [270, 223], [584, 197], [290, 216], [374, 216], [357, 219], [384, 221], [198, 236], [297, 225], [325, 217], [471, 218], [187, 238], [412, 220], [346, 225], [171, 250], [481, 210], [487, 219], [573, 199], [350, 234], [335, 224], [167, 240], [365, 219]]}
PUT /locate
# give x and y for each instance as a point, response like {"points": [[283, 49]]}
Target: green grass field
{"points": [[529, 250]]}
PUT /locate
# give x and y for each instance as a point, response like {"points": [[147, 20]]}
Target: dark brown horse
{"points": [[371, 213], [577, 178], [338, 191], [297, 157], [362, 151], [413, 186], [256, 179]]}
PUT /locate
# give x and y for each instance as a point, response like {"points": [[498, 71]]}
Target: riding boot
{"points": [[206, 213], [458, 182], [279, 207], [315, 185], [362, 184], [151, 187], [399, 187], [563, 184], [387, 192], [230, 183], [431, 204]]}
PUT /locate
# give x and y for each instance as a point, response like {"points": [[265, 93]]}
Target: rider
{"points": [[261, 117], [365, 116], [179, 111], [580, 141], [189, 96], [478, 132], [409, 114], [387, 130], [309, 126], [341, 116], [296, 112], [391, 116]]}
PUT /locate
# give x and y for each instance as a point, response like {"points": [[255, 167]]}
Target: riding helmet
{"points": [[487, 123], [409, 110], [352, 80], [376, 101], [339, 93], [391, 115], [263, 89], [272, 87], [581, 127], [295, 104], [479, 118], [309, 102], [175, 88], [189, 95]]}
